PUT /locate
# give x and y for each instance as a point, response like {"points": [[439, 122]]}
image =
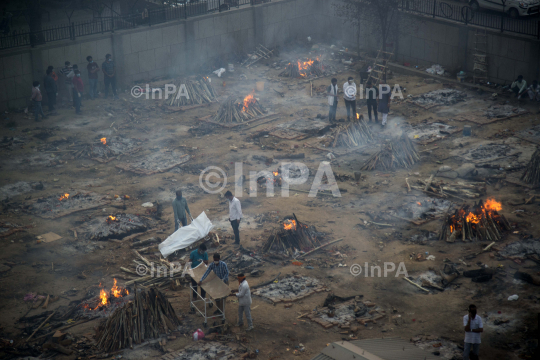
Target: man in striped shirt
{"points": [[222, 272]]}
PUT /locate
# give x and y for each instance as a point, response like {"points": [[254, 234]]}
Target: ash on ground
{"points": [[490, 151], [440, 97], [113, 147], [59, 205], [423, 238], [522, 249], [424, 209], [157, 162], [204, 351], [21, 187], [426, 133], [503, 111], [203, 129], [289, 288], [444, 348], [114, 226]]}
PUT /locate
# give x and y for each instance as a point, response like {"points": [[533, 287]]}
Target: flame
{"points": [[493, 205], [63, 197], [111, 218], [275, 173], [419, 203], [290, 225], [248, 100], [115, 290], [357, 116], [104, 141], [472, 218], [104, 297]]}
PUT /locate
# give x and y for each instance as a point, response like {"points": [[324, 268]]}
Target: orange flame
{"points": [[104, 141], [419, 203], [63, 197], [111, 218], [493, 205], [115, 290], [471, 218], [248, 101], [104, 297], [357, 116], [290, 225], [275, 173]]}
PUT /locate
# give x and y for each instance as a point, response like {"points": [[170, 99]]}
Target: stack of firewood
{"points": [[532, 172], [396, 153], [199, 91], [148, 316], [233, 110], [291, 70], [293, 235], [316, 68], [352, 134], [460, 190]]}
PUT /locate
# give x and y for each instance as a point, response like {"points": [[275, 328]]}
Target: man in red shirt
{"points": [[78, 89], [93, 69]]}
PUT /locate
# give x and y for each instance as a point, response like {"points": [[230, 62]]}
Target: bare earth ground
{"points": [[53, 267]]}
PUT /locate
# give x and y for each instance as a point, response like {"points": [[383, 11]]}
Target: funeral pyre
{"points": [[62, 204], [481, 221], [303, 68], [107, 149], [200, 91], [233, 110], [352, 134], [148, 316], [292, 237], [531, 174], [106, 301], [396, 153], [115, 226]]}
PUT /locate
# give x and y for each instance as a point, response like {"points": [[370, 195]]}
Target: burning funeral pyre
{"points": [[108, 149], [352, 134], [106, 302], [481, 221], [55, 206], [236, 111], [303, 68], [148, 316], [532, 171], [292, 237], [115, 226], [396, 153], [200, 92]]}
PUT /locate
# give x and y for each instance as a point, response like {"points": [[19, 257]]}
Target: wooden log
{"points": [[40, 326], [415, 284], [318, 248]]}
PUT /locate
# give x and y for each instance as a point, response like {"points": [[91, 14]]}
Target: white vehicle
{"points": [[515, 8]]}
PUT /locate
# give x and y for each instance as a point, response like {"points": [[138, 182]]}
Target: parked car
{"points": [[515, 8]]}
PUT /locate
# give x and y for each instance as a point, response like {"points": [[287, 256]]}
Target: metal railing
{"points": [[188, 9], [465, 15]]}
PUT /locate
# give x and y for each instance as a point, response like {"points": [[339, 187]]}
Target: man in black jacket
{"points": [[51, 89]]}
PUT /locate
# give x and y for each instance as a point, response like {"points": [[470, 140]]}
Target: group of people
{"points": [[520, 88], [376, 102], [73, 84]]}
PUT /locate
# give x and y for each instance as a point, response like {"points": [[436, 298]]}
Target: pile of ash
{"points": [[443, 97], [423, 238], [205, 351], [114, 227], [290, 289], [503, 111], [58, 205], [11, 190], [522, 249], [112, 147], [424, 208]]}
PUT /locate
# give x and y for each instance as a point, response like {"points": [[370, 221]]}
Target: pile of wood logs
{"points": [[396, 153], [291, 70], [233, 110], [148, 316], [200, 91], [460, 190], [316, 68], [532, 172], [352, 134], [292, 235]]}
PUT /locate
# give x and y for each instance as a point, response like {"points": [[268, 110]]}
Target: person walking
{"points": [[235, 215], [332, 93], [349, 95], [384, 102], [36, 100], [180, 207], [197, 256], [222, 272], [78, 89], [109, 75], [244, 302], [93, 69], [51, 89], [473, 328], [371, 98]]}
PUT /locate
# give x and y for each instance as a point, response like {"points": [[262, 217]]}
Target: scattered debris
{"points": [[59, 205], [442, 97], [157, 162], [290, 289]]}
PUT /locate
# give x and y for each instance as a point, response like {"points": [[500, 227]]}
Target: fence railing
{"points": [[187, 9], [465, 15]]}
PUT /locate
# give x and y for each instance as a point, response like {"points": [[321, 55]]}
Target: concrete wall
{"points": [[172, 48]]}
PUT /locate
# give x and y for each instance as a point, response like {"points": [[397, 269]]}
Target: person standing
{"points": [[235, 215], [332, 93], [384, 101], [51, 89], [197, 256], [244, 302], [53, 74], [67, 73], [222, 271], [180, 207], [36, 99], [534, 91], [349, 95], [371, 98], [78, 89], [93, 69], [473, 328], [109, 75]]}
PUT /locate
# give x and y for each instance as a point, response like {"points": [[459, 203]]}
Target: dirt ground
{"points": [[56, 267]]}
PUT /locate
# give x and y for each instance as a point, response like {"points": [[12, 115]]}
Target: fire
{"points": [[104, 141], [63, 197], [111, 218], [104, 297], [275, 173], [357, 116], [290, 225], [419, 203], [471, 218], [492, 205], [116, 291], [248, 101]]}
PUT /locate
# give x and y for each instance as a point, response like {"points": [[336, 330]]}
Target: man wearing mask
{"points": [[235, 215], [36, 99], [371, 97], [349, 95], [109, 75], [180, 207], [473, 328], [244, 302], [222, 271], [332, 93], [51, 89], [197, 256], [93, 69], [78, 89]]}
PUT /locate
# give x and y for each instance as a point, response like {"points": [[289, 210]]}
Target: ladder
{"points": [[480, 67], [379, 66]]}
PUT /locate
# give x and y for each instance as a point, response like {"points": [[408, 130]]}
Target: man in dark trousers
{"points": [[78, 89], [332, 93], [235, 215], [385, 98], [197, 256], [36, 100], [51, 89], [371, 97], [473, 328], [349, 95], [93, 69], [109, 75], [222, 271], [180, 207]]}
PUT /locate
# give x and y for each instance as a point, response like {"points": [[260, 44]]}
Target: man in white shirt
{"points": [[349, 95], [235, 215], [244, 302], [473, 327], [534, 91], [332, 93], [519, 87]]}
